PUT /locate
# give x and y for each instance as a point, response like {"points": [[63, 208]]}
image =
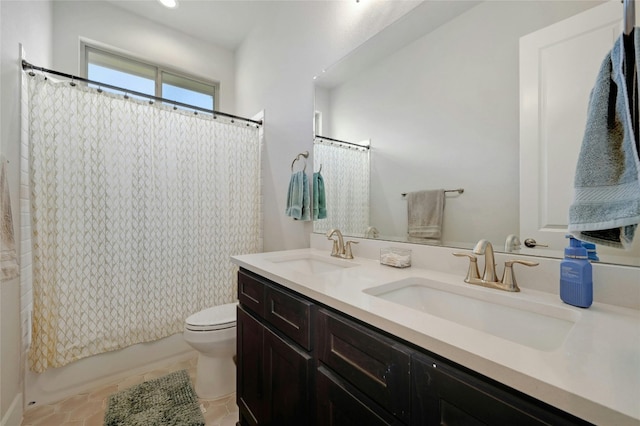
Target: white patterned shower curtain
{"points": [[346, 175], [136, 209]]}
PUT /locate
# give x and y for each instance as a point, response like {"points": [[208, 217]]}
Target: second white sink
{"points": [[537, 325]]}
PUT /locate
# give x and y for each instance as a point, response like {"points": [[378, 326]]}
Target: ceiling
{"points": [[225, 23]]}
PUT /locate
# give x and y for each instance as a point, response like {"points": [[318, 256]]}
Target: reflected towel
{"points": [[606, 204], [298, 197], [319, 198], [8, 255], [426, 211]]}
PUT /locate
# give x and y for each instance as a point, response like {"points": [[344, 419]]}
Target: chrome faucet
{"points": [[340, 249], [489, 277]]}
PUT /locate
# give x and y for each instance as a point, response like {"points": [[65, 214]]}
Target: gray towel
{"points": [[426, 211], [8, 256], [298, 197], [606, 205]]}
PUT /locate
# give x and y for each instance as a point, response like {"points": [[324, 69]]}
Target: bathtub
{"points": [[56, 384]]}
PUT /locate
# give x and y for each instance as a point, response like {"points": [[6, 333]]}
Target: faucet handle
{"points": [[347, 249], [472, 272], [509, 278]]}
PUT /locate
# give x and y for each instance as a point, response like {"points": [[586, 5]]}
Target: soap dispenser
{"points": [[576, 282]]}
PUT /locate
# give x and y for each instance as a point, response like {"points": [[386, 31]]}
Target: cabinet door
{"points": [[340, 404], [374, 364], [444, 395], [287, 377], [249, 391]]}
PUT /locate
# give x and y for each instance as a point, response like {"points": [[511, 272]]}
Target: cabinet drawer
{"points": [[443, 394], [377, 366], [251, 291], [339, 404], [289, 314]]}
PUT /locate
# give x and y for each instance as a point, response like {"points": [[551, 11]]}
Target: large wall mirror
{"points": [[472, 95]]}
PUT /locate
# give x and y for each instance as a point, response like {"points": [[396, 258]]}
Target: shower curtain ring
{"points": [[99, 89], [31, 73], [72, 84], [126, 95]]}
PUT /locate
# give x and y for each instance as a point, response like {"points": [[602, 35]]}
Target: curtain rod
{"points": [[27, 66], [345, 142]]}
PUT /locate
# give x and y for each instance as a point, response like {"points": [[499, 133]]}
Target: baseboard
{"points": [[13, 416]]}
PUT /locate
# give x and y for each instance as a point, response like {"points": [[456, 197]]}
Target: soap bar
{"points": [[396, 257]]}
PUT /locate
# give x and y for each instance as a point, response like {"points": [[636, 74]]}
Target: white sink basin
{"points": [[311, 264], [537, 325]]}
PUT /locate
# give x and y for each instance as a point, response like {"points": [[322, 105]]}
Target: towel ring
{"points": [[302, 154]]}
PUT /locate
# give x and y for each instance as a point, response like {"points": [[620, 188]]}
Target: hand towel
{"points": [[319, 198], [606, 204], [8, 256], [426, 211], [298, 197]]}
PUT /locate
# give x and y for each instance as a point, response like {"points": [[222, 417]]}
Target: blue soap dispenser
{"points": [[576, 282]]}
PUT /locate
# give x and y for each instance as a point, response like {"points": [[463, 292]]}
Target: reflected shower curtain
{"points": [[136, 209], [346, 173]]}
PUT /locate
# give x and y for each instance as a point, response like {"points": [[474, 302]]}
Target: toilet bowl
{"points": [[212, 332]]}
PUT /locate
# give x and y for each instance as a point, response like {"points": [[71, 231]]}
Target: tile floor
{"points": [[87, 409]]}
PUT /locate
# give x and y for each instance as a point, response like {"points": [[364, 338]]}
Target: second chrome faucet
{"points": [[489, 277], [340, 248]]}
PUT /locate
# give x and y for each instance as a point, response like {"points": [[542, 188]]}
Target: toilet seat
{"points": [[211, 319]]}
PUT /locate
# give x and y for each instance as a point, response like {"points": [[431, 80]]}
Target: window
{"points": [[122, 71]]}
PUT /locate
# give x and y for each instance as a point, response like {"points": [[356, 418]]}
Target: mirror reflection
{"points": [[439, 103]]}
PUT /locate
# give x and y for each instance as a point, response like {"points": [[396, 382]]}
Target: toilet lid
{"points": [[215, 318]]}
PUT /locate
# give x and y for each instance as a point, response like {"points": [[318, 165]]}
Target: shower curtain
{"points": [[135, 209], [346, 174]]}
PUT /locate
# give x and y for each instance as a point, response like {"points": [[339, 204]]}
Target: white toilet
{"points": [[212, 332]]}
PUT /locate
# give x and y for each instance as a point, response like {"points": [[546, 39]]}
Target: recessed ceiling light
{"points": [[169, 3]]}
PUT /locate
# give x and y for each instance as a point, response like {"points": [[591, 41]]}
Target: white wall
{"points": [[114, 27], [29, 23], [444, 113], [275, 67]]}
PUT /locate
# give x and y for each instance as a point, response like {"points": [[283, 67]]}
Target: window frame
{"points": [[85, 47]]}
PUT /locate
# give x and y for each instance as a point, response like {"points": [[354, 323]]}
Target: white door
{"points": [[558, 67]]}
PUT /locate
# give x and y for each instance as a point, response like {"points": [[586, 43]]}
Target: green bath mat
{"points": [[166, 401]]}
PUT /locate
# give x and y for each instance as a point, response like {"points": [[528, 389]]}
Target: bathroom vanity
{"points": [[319, 342]]}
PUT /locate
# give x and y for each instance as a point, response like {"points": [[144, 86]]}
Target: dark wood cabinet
{"points": [[275, 373], [301, 363], [287, 380], [374, 364], [340, 404], [249, 377], [446, 395]]}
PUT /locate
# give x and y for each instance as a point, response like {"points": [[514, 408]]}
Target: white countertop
{"points": [[594, 374]]}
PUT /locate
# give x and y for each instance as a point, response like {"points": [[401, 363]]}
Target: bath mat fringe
{"points": [[166, 401]]}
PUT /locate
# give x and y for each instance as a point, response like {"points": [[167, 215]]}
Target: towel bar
{"points": [[459, 191]]}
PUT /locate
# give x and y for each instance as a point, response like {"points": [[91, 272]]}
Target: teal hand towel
{"points": [[606, 204], [298, 197], [319, 197]]}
